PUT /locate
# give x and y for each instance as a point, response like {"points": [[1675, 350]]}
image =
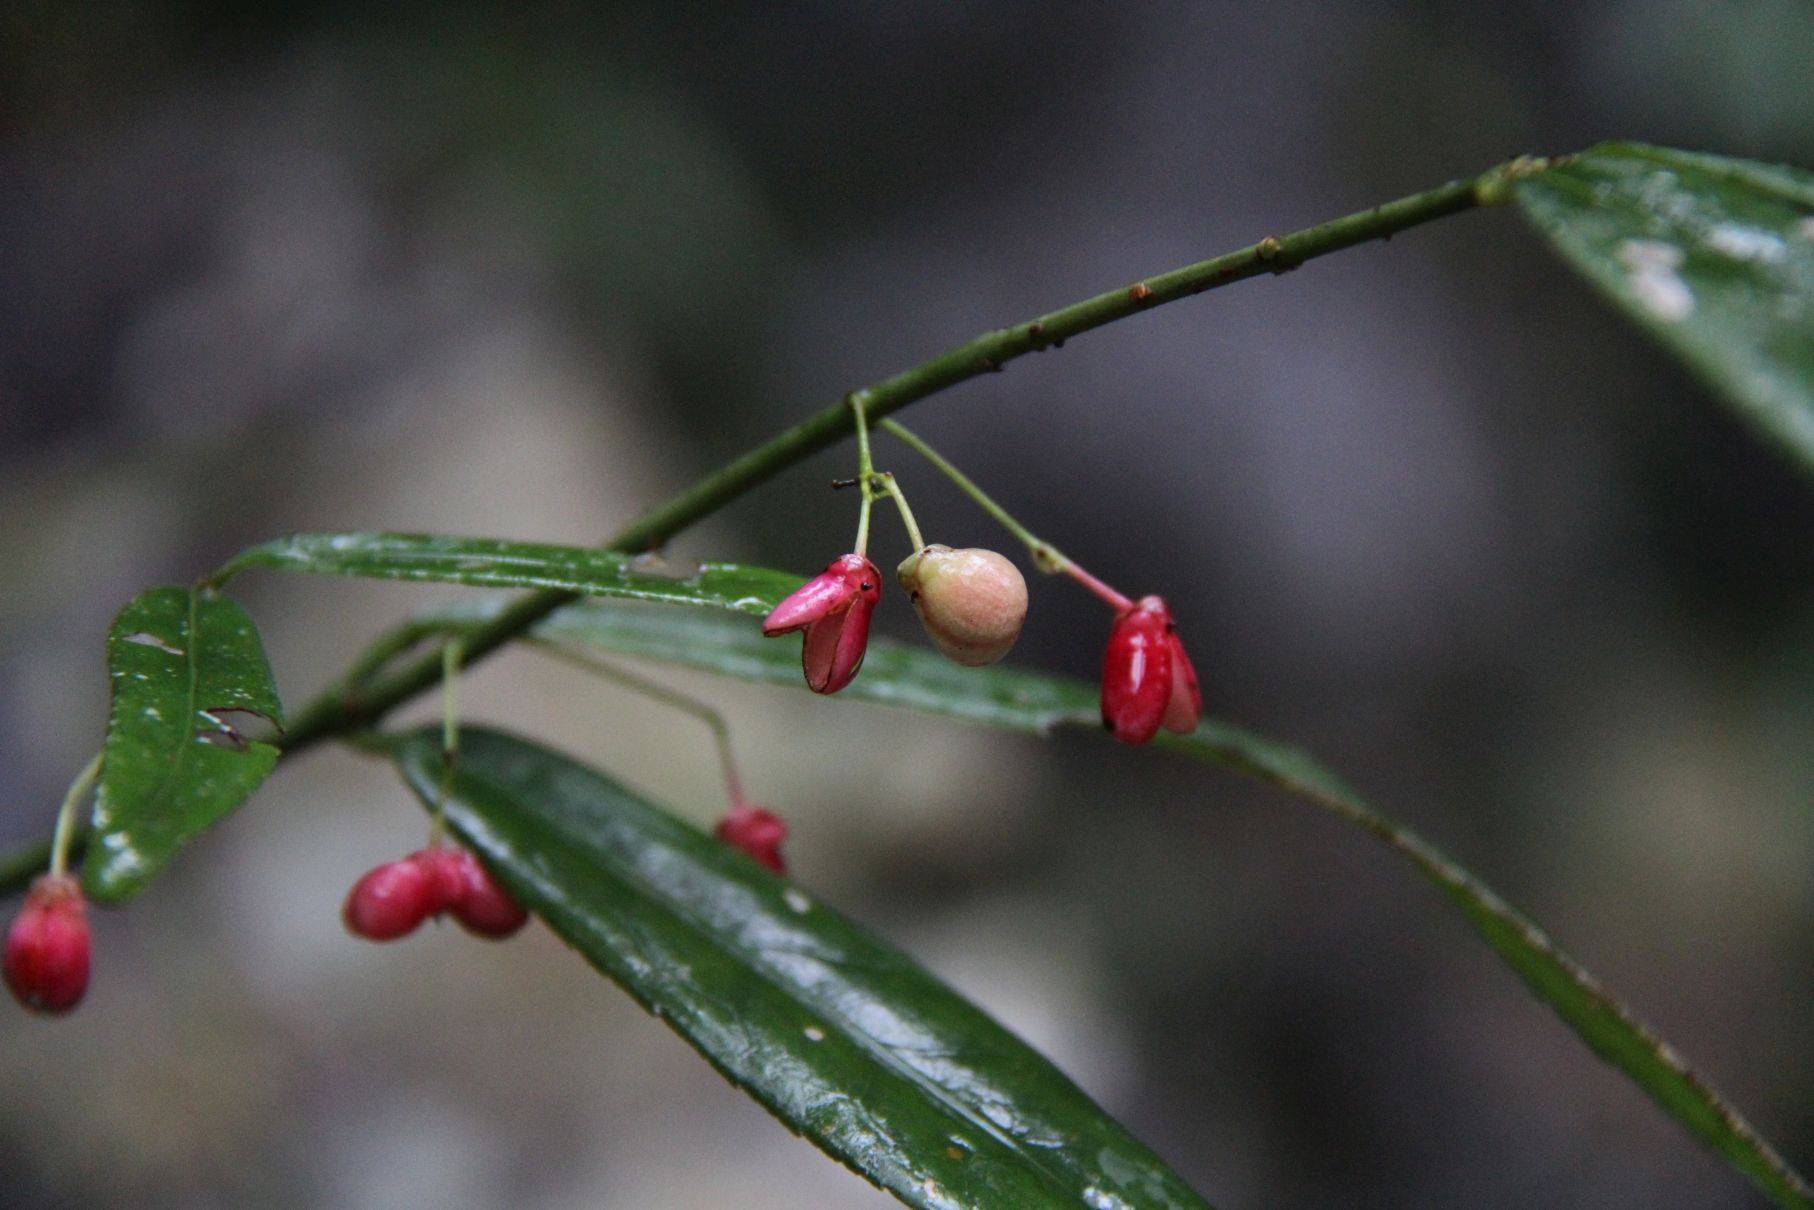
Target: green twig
{"points": [[339, 713], [329, 716]]}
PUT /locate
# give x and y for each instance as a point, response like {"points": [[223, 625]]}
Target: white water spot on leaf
{"points": [[146, 639], [797, 901], [1653, 266], [814, 1033], [1746, 243], [1099, 1199], [651, 564]]}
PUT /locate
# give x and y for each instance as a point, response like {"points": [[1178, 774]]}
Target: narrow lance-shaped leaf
{"points": [[917, 678], [1714, 256], [183, 663], [494, 563], [840, 1035]]}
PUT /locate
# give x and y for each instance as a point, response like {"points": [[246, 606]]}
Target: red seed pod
{"points": [[757, 832], [1137, 676], [390, 901], [446, 870], [1185, 705], [484, 908], [48, 949], [834, 608]]}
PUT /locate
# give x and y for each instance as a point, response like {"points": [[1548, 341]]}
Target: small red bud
{"points": [[757, 832], [1147, 679], [391, 900], [834, 608], [48, 947], [484, 908]]}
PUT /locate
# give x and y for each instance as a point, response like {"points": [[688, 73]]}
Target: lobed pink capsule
{"points": [[48, 947]]}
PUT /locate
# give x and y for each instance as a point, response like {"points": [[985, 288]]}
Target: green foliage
{"points": [[491, 563], [918, 678], [840, 1035], [182, 661], [1713, 256]]}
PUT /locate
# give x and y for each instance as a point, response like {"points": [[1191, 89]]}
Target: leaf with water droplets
{"points": [[496, 563], [1714, 256], [185, 665], [1017, 699], [837, 1033]]}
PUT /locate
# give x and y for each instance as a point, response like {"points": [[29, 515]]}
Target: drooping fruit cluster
{"points": [[392, 900], [972, 603], [48, 948], [756, 831]]}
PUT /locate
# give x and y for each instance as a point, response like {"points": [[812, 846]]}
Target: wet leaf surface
{"points": [[188, 670], [1713, 256], [840, 1035]]}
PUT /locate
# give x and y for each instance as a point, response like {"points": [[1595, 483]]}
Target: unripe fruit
{"points": [[972, 602], [48, 946], [391, 900], [484, 908]]}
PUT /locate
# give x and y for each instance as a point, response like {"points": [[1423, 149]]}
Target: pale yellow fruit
{"points": [[971, 602]]}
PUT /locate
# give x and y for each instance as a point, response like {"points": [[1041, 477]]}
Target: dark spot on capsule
{"points": [[865, 586]]}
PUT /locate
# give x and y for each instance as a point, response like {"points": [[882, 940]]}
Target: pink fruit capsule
{"points": [[48, 948], [972, 602], [484, 908], [390, 900]]}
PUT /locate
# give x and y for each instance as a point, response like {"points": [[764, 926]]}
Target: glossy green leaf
{"points": [[492, 563], [182, 663], [840, 1035], [918, 678], [1714, 256]]}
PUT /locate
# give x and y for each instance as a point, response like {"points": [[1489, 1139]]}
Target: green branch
{"points": [[333, 715], [354, 703]]}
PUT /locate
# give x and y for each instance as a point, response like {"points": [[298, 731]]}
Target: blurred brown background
{"points": [[1428, 508]]}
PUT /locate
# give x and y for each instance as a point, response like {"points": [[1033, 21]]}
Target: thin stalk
{"points": [[865, 472], [886, 479], [66, 815], [1047, 557], [451, 652], [721, 732]]}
